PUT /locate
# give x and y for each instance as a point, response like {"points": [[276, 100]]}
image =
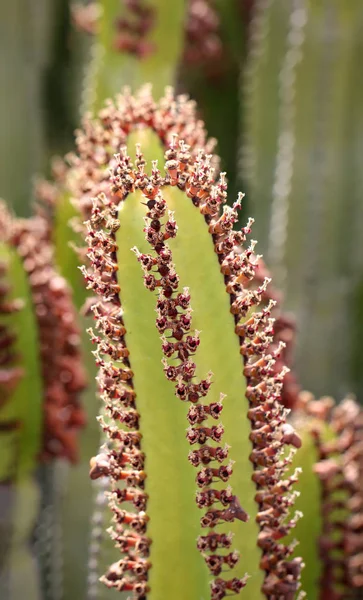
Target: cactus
{"points": [[144, 430], [40, 413], [331, 456], [42, 70], [299, 164]]}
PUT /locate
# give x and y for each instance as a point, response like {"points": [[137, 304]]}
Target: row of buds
{"points": [[62, 371], [134, 28], [284, 330], [9, 372], [121, 459], [203, 45], [269, 431], [180, 344], [91, 170], [340, 470]]}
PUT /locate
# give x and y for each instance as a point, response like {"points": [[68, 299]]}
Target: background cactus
{"points": [[300, 165], [40, 412], [41, 84]]}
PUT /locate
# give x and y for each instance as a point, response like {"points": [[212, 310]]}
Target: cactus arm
{"points": [[314, 274], [307, 75], [174, 516], [65, 238], [116, 68], [20, 440], [113, 272], [25, 404], [267, 47]]}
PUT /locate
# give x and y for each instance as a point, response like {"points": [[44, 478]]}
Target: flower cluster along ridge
{"points": [[59, 336], [339, 469], [122, 459], [11, 371]]}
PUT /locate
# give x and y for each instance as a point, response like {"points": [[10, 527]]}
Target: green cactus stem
{"points": [[298, 153], [134, 42], [21, 420], [47, 348], [10, 373], [150, 450], [59, 340], [332, 468]]}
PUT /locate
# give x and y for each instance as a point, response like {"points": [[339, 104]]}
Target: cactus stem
{"points": [[173, 314], [339, 470], [189, 173]]}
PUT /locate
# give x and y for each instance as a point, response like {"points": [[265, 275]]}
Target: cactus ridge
{"points": [[10, 372], [340, 471], [190, 169], [63, 375], [88, 174], [125, 460]]}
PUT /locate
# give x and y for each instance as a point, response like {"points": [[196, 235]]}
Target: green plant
{"points": [[40, 412], [177, 214], [300, 164]]}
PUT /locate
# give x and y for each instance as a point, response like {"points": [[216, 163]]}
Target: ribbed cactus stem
{"points": [[134, 42], [298, 154], [339, 470], [133, 382], [21, 427]]}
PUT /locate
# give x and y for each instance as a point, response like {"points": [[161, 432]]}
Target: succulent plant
{"points": [[129, 207], [138, 388]]}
